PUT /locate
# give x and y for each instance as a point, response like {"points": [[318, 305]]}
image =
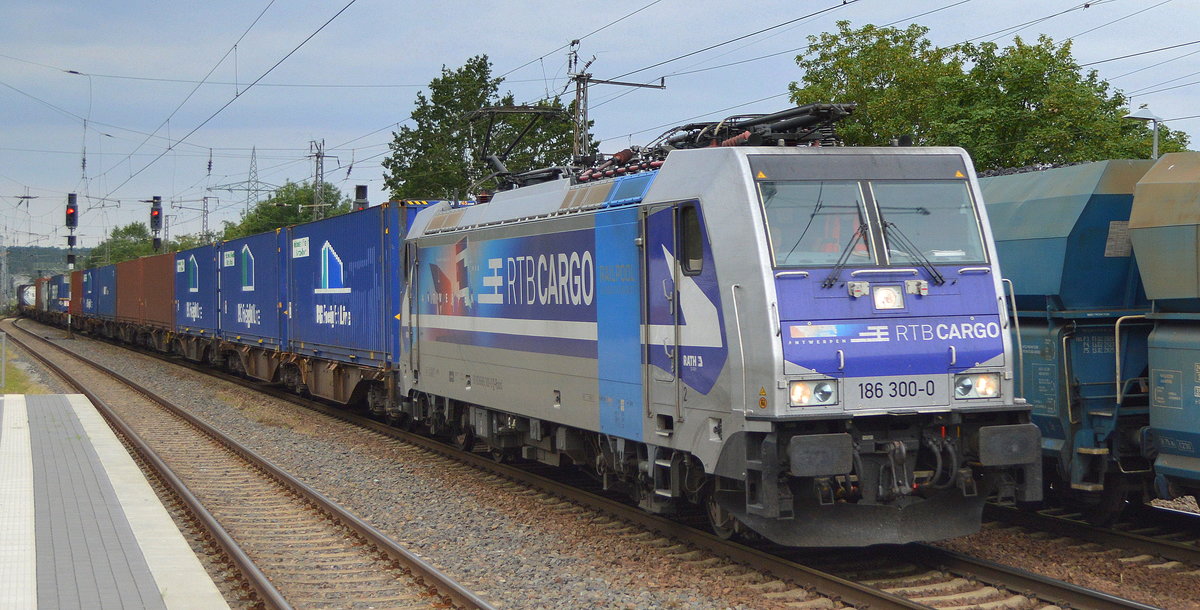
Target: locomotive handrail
{"points": [[858, 272], [1117, 350], [1016, 321], [737, 321], [780, 274], [975, 270]]}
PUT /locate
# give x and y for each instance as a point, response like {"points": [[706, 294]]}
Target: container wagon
{"points": [[253, 298], [27, 299], [343, 283], [197, 292], [145, 301]]}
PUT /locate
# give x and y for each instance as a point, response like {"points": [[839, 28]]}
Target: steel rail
{"points": [[1062, 594], [1139, 543], [258, 581], [425, 572]]}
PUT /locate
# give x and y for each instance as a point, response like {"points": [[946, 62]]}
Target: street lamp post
{"points": [[1144, 114]]}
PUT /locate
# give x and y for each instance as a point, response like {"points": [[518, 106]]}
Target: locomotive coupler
{"points": [[896, 466]]}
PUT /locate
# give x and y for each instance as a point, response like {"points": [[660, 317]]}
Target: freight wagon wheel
{"points": [[1113, 501]]}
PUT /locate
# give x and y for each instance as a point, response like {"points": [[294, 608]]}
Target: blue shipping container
{"points": [[88, 298], [338, 302], [60, 293], [196, 291], [104, 291], [252, 289]]}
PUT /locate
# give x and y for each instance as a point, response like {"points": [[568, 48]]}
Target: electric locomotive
{"points": [[809, 342]]}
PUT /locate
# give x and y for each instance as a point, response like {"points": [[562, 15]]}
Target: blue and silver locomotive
{"points": [[809, 342]]}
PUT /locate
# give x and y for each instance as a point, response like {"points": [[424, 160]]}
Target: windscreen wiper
{"points": [[859, 233], [893, 234]]}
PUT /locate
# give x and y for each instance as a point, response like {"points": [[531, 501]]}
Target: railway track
{"points": [[911, 576], [294, 547], [1151, 534]]}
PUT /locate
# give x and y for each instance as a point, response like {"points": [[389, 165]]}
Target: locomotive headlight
{"points": [[813, 393], [978, 385], [888, 297]]}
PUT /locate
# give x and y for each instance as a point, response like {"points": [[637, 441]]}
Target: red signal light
{"points": [[72, 208]]}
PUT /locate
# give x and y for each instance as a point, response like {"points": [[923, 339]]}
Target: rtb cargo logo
{"points": [[559, 278], [815, 334]]}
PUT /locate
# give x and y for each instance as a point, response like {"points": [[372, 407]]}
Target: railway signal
{"points": [[72, 211], [156, 213], [360, 198]]}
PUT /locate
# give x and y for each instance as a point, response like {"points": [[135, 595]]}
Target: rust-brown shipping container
{"points": [[146, 291], [43, 292], [76, 307]]}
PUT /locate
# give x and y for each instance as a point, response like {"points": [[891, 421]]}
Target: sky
{"points": [[121, 101]]}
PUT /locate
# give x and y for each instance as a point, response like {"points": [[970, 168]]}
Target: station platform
{"points": [[80, 526]]}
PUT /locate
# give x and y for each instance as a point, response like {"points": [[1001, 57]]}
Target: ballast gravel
{"points": [[514, 548]]}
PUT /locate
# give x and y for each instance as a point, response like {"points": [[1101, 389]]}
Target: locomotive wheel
{"points": [[393, 420], [464, 439], [721, 521]]}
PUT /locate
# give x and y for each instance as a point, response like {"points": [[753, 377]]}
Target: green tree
{"points": [[123, 243], [893, 75], [134, 241], [440, 155], [1024, 104], [290, 204], [1030, 103]]}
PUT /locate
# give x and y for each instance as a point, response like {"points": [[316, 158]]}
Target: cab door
{"points": [[673, 253], [410, 318], [661, 344]]}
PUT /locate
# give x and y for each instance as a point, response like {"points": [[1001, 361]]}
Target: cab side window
{"points": [[691, 240]]}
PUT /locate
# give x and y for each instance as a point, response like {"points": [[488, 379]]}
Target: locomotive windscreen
{"points": [[811, 223], [914, 207]]}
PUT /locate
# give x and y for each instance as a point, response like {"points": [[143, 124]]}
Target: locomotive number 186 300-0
{"points": [[898, 391]]}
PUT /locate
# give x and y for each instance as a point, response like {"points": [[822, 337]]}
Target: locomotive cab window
{"points": [[930, 219], [691, 240], [812, 223]]}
